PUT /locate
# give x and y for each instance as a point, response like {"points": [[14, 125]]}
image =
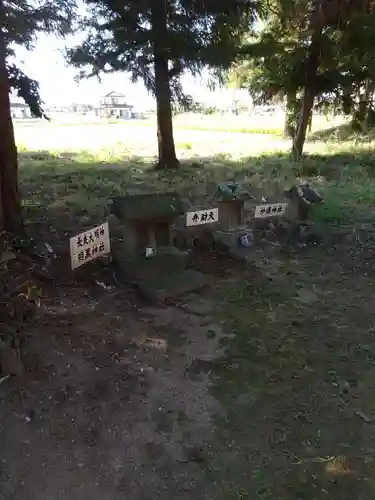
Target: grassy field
{"points": [[225, 122], [295, 386]]}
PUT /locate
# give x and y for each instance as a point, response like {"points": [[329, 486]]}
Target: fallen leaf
{"points": [[103, 285], [160, 344], [365, 417]]}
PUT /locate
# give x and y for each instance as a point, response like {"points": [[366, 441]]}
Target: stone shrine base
{"points": [[160, 277]]}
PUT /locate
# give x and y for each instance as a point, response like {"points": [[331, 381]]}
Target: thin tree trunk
{"points": [[166, 147], [10, 202]]}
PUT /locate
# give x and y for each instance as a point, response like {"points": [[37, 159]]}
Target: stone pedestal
{"points": [[161, 276]]}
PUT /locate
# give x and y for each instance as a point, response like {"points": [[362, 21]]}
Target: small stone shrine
{"points": [[147, 221], [143, 251], [232, 235], [231, 199]]}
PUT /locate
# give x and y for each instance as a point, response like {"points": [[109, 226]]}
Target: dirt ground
{"points": [[261, 386]]}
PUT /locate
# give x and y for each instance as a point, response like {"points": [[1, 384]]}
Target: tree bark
{"points": [[166, 147], [10, 202], [300, 136], [316, 27], [361, 116], [289, 123]]}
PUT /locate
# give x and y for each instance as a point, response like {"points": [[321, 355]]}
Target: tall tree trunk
{"points": [[306, 110], [166, 147], [361, 115], [316, 28], [10, 202]]}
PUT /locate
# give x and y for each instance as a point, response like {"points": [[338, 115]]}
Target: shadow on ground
{"points": [[343, 132]]}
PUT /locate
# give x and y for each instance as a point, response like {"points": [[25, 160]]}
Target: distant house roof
{"points": [[147, 206], [114, 94]]}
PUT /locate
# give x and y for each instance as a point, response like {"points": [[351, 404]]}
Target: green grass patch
{"points": [[234, 129], [209, 126], [84, 181], [220, 123]]}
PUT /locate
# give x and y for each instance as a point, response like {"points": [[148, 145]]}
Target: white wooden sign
{"points": [[89, 245], [270, 210], [200, 217]]}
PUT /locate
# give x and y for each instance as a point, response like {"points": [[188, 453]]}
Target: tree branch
{"points": [[27, 89]]}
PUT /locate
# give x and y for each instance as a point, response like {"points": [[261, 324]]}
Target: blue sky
{"points": [[45, 63]]}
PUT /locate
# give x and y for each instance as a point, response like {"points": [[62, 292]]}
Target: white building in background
{"points": [[18, 108], [115, 105]]}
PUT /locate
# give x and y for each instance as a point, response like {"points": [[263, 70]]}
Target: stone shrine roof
{"points": [[148, 206]]}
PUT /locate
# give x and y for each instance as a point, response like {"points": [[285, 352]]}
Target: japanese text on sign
{"points": [[89, 245], [202, 217], [272, 210]]}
